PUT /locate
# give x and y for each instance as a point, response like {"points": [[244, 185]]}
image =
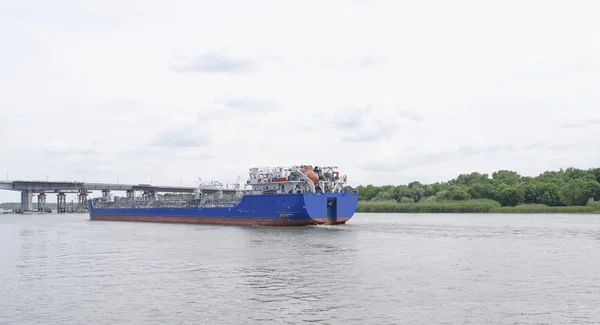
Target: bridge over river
{"points": [[42, 188]]}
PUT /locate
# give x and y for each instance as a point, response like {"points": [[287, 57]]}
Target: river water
{"points": [[377, 269]]}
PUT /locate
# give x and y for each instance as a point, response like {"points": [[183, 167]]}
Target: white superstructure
{"points": [[295, 179]]}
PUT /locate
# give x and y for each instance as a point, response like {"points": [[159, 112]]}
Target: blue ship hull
{"points": [[267, 210]]}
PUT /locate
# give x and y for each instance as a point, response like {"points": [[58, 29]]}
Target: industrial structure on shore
{"points": [[41, 189]]}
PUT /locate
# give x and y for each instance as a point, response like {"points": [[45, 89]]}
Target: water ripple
{"points": [[378, 269]]}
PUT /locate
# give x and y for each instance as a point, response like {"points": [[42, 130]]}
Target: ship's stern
{"points": [[331, 208]]}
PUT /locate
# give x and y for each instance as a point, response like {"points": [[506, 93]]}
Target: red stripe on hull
{"points": [[327, 221], [208, 220]]}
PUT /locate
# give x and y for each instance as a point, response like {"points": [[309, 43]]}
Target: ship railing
{"points": [[169, 203], [338, 186]]}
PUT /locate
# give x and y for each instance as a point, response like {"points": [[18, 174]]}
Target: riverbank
{"points": [[469, 206]]}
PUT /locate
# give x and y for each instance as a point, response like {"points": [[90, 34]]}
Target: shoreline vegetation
{"points": [[571, 190], [469, 206]]}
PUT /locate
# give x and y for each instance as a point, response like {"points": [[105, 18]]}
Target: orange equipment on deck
{"points": [[310, 173]]}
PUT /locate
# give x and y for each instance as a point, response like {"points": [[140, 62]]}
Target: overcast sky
{"points": [[389, 91]]}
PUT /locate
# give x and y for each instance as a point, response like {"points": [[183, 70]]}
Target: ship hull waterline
{"points": [[219, 221]]}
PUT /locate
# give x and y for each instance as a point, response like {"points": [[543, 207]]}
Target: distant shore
{"points": [[8, 206], [469, 206]]}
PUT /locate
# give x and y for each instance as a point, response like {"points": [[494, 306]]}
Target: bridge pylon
{"points": [[61, 203], [41, 201], [26, 200], [82, 198]]}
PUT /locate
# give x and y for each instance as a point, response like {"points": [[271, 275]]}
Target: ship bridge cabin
{"points": [[274, 180]]}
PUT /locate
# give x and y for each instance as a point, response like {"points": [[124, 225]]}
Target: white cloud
{"points": [[390, 91], [56, 147]]}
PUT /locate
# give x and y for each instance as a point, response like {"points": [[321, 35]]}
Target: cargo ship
{"points": [[277, 196]]}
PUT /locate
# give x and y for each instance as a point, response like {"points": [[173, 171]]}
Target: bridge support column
{"points": [[41, 203], [26, 200], [61, 203], [82, 199]]}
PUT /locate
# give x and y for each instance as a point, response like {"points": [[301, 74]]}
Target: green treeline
{"points": [[570, 190], [17, 205]]}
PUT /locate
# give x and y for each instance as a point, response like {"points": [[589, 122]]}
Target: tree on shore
{"points": [[568, 187]]}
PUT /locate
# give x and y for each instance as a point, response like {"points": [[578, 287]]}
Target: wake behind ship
{"points": [[278, 196]]}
